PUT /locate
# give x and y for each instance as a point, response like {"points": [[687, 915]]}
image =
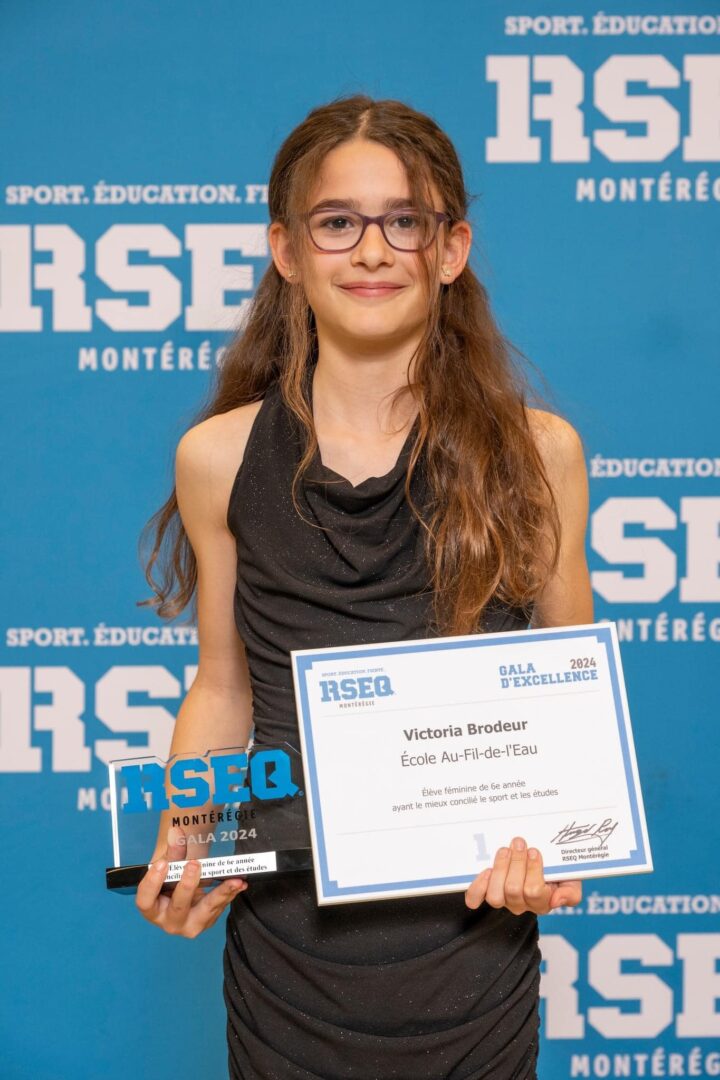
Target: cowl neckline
{"points": [[338, 490]]}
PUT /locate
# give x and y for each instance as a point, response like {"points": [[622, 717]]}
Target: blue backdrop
{"points": [[136, 143]]}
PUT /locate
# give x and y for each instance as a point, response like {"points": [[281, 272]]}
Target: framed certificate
{"points": [[421, 758]]}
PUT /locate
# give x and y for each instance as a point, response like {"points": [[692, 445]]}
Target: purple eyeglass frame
{"points": [[379, 219]]}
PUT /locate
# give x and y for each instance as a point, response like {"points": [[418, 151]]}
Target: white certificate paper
{"points": [[423, 757]]}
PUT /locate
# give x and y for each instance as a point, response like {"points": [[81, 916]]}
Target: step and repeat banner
{"points": [[136, 147]]}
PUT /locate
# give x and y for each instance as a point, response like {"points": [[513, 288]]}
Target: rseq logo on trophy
{"points": [[268, 775]]}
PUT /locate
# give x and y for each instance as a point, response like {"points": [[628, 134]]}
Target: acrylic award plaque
{"points": [[242, 812]]}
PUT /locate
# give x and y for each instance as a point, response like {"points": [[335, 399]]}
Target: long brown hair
{"points": [[491, 524]]}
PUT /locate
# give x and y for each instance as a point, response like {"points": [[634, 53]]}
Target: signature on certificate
{"points": [[575, 833]]}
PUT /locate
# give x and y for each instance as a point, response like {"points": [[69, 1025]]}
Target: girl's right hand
{"points": [[189, 909]]}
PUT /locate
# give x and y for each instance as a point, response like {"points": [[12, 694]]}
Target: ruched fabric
{"points": [[411, 989]]}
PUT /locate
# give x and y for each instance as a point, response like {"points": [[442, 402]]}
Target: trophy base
{"points": [[127, 878]]}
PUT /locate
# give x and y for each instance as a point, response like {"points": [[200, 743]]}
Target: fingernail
{"points": [[532, 853], [160, 866], [504, 852], [518, 844]]}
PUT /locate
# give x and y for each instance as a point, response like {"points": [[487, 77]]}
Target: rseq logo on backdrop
{"points": [[361, 688], [607, 102]]}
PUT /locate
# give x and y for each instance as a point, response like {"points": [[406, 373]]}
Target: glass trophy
{"points": [[241, 812]]}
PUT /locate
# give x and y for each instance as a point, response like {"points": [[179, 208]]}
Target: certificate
{"points": [[421, 758]]}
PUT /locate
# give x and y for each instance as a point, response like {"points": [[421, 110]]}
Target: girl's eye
{"points": [[336, 224], [407, 221]]}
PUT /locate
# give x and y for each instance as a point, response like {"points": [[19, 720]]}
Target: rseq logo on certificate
{"points": [[358, 688]]}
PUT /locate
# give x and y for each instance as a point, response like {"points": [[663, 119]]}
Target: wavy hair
{"points": [[490, 524]]}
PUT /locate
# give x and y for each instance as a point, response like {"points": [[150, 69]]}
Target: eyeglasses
{"points": [[404, 230]]}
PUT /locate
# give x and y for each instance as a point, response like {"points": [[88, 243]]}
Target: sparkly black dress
{"points": [[410, 989]]}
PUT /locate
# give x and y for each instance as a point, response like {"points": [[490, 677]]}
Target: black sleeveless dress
{"points": [[409, 989]]}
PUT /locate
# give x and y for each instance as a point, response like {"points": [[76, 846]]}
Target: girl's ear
{"points": [[281, 250], [455, 252]]}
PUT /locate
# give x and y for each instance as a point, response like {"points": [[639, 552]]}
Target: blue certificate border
{"points": [[304, 662]]}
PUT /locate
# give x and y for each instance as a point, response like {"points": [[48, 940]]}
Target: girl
{"points": [[367, 471]]}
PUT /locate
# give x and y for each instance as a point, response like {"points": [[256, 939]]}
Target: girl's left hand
{"points": [[516, 881]]}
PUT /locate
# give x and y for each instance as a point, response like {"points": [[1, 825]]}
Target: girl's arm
{"points": [[217, 710], [567, 597], [516, 880]]}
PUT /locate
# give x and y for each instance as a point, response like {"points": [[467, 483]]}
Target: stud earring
{"points": [[291, 273], [446, 272]]}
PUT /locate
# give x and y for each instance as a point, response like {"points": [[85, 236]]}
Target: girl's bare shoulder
{"points": [[210, 453], [558, 443]]}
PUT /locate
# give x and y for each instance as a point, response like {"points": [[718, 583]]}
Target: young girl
{"points": [[368, 471]]}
